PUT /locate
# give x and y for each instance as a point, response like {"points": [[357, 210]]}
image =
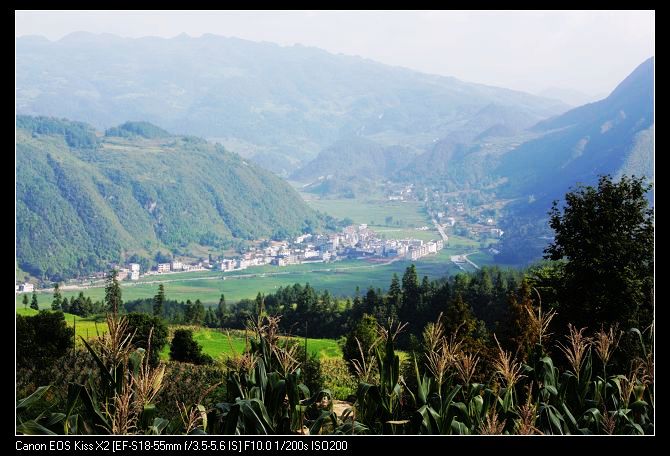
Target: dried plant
{"points": [[191, 417], [528, 414], [122, 415], [605, 343], [442, 360], [578, 348], [466, 364], [491, 425], [148, 382], [392, 329], [365, 370], [507, 367], [609, 422], [287, 356], [628, 384], [539, 323], [115, 344], [243, 363], [433, 333], [645, 368]]}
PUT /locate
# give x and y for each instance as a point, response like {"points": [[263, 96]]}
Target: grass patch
{"points": [[86, 328], [222, 344], [374, 212]]}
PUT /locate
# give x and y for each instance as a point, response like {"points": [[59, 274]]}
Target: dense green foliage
{"points": [[113, 301], [149, 332], [606, 237], [33, 302], [359, 342], [75, 134], [40, 341], [57, 302], [143, 129], [184, 348], [79, 209]]}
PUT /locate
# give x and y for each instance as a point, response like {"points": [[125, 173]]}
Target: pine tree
{"points": [[221, 311], [65, 305], [33, 302], [25, 300], [159, 299], [56, 304], [410, 294], [113, 300], [395, 294], [198, 313], [260, 304], [210, 319], [189, 313]]}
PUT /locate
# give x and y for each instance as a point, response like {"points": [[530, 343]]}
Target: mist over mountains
{"points": [[279, 105], [91, 184]]}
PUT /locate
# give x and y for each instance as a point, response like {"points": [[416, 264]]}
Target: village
{"points": [[354, 242]]}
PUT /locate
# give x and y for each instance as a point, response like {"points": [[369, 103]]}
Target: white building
{"points": [[27, 287], [227, 265], [135, 267], [176, 266], [122, 274], [134, 275], [163, 267]]}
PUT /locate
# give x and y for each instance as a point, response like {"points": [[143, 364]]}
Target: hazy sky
{"points": [[586, 51]]}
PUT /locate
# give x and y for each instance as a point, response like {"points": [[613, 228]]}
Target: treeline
{"points": [[76, 134]]}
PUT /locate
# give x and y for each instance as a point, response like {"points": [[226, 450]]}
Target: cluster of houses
{"points": [[132, 272], [403, 194], [483, 228], [354, 242]]}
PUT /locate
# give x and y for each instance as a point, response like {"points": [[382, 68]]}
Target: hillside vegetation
{"points": [[84, 200]]}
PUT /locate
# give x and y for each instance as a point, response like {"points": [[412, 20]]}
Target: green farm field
{"points": [[222, 344], [87, 328], [373, 212], [214, 342]]}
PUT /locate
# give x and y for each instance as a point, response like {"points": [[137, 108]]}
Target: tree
{"points": [[56, 304], [221, 310], [198, 313], [113, 300], [515, 331], [33, 302], [184, 348], [65, 305], [25, 300], [260, 304], [605, 237], [159, 299], [395, 293], [365, 334], [41, 340], [411, 294], [142, 325]]}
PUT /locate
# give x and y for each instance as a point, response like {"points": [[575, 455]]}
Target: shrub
{"points": [[184, 348]]}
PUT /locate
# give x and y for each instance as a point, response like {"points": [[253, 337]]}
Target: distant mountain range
{"points": [[611, 136], [278, 105], [84, 199]]}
